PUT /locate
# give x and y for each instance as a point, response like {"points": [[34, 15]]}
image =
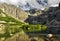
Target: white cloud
{"points": [[56, 5], [32, 3], [14, 2]]}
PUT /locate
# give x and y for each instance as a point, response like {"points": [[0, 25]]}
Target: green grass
{"points": [[32, 28], [13, 26]]}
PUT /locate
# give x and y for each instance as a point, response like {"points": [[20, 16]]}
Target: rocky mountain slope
{"points": [[14, 11], [50, 18]]}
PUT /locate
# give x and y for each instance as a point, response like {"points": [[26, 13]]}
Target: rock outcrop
{"points": [[14, 11]]}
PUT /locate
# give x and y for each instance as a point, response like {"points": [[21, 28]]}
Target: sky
{"points": [[32, 3]]}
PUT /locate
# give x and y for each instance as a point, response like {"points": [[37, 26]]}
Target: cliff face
{"points": [[14, 11], [50, 16]]}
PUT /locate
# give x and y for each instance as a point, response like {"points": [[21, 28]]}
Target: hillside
{"points": [[12, 29], [14, 11], [10, 26]]}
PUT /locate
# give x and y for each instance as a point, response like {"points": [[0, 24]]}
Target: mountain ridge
{"points": [[14, 11]]}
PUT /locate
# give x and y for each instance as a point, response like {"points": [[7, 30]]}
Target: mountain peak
{"points": [[38, 4]]}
